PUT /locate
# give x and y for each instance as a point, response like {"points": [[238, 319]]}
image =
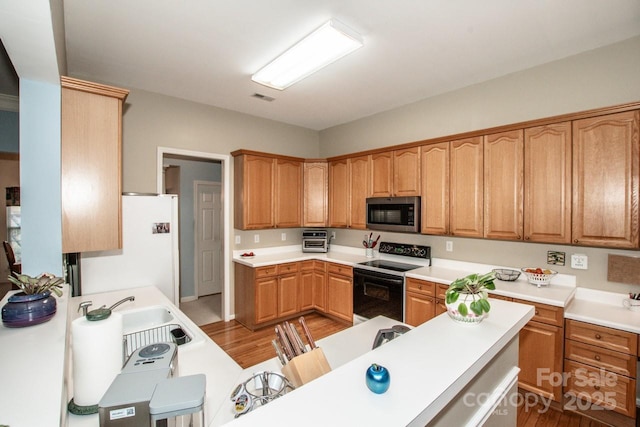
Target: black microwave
{"points": [[401, 214]]}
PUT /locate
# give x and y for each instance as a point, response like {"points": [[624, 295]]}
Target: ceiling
{"points": [[206, 50]]}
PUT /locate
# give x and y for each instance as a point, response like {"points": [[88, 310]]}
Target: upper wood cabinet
{"points": [[434, 166], [396, 173], [339, 193], [503, 186], [315, 189], [466, 191], [91, 172], [288, 193], [268, 191], [254, 186], [605, 180], [359, 172], [547, 183]]}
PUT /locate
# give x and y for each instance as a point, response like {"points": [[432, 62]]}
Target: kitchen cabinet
{"points": [[267, 294], [316, 190], [312, 293], [441, 307], [267, 190], [434, 182], [396, 173], [503, 187], [288, 193], [340, 292], [339, 193], [359, 190], [601, 366], [541, 349], [606, 157], [420, 302], [91, 166], [547, 183], [466, 187]]}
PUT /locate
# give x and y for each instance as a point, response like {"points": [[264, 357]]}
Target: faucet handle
{"points": [[84, 306]]}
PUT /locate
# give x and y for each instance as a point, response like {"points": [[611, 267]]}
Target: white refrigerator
{"points": [[149, 254]]}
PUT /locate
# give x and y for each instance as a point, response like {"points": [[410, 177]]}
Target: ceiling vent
{"points": [[263, 97]]}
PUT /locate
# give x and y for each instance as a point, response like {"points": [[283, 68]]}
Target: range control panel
{"points": [[415, 251]]}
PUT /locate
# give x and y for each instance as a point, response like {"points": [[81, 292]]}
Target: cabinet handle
{"points": [[596, 387], [597, 357], [537, 312], [575, 240], [598, 336], [526, 237]]}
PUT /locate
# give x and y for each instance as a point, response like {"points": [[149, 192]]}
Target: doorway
{"points": [[189, 288]]}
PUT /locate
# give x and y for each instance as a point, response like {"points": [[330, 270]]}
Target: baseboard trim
{"points": [[188, 299]]}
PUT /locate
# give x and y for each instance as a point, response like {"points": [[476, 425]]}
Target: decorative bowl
{"points": [[506, 274], [535, 277]]}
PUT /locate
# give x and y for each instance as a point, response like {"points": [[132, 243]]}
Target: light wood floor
{"points": [[248, 348]]}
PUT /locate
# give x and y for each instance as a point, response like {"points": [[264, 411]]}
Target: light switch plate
{"points": [[579, 261], [256, 238], [238, 240]]}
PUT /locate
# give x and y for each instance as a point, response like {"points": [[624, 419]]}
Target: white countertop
{"points": [[32, 359], [603, 308], [559, 293]]}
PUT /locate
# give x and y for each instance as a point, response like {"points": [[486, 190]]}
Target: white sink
{"points": [[146, 318]]}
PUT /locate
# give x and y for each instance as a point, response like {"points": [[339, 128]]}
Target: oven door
{"points": [[377, 294]]}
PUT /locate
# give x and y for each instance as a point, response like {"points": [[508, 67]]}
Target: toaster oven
{"points": [[315, 241]]}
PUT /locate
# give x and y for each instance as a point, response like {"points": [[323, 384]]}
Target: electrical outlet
{"points": [[256, 238], [238, 240], [283, 236], [449, 246], [579, 261], [333, 234]]}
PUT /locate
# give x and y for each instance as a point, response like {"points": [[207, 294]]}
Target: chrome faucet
{"points": [[131, 298]]}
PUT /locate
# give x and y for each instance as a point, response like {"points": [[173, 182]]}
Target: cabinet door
{"points": [[266, 299], [418, 309], [606, 157], [540, 359], [359, 172], [382, 174], [435, 189], [503, 188], [466, 198], [91, 183], [288, 193], [288, 295], [320, 290], [306, 290], [338, 193], [406, 172], [547, 183], [316, 202], [340, 297], [254, 177]]}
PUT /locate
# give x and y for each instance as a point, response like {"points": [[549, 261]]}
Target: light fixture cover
{"points": [[325, 45]]}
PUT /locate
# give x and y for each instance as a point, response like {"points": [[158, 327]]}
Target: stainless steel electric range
{"points": [[378, 284]]}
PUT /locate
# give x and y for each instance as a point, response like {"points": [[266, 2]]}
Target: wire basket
{"points": [[166, 333], [506, 274], [539, 279]]}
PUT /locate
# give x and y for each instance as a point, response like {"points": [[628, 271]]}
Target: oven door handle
{"points": [[379, 278]]}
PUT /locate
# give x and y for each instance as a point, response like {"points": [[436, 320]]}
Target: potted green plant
{"points": [[34, 303], [466, 298]]}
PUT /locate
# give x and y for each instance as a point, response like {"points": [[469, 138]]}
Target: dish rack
{"points": [[506, 274], [166, 333]]}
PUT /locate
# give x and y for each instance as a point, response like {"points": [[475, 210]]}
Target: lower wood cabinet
{"points": [[600, 365], [420, 301], [340, 292], [541, 349], [313, 286]]}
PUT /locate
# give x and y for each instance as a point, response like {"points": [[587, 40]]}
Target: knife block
{"points": [[306, 367]]}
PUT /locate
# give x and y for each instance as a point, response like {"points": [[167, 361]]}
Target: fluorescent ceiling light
{"points": [[327, 44]]}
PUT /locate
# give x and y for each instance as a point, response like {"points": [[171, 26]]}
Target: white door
{"points": [[208, 236]]}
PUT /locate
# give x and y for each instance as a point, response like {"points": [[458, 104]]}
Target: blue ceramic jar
{"points": [[25, 310]]}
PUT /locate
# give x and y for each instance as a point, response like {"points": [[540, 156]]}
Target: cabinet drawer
{"points": [[441, 290], [421, 287], [503, 298], [606, 389], [290, 267], [320, 265], [343, 270], [269, 270], [601, 336], [545, 313], [307, 265], [598, 357]]}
